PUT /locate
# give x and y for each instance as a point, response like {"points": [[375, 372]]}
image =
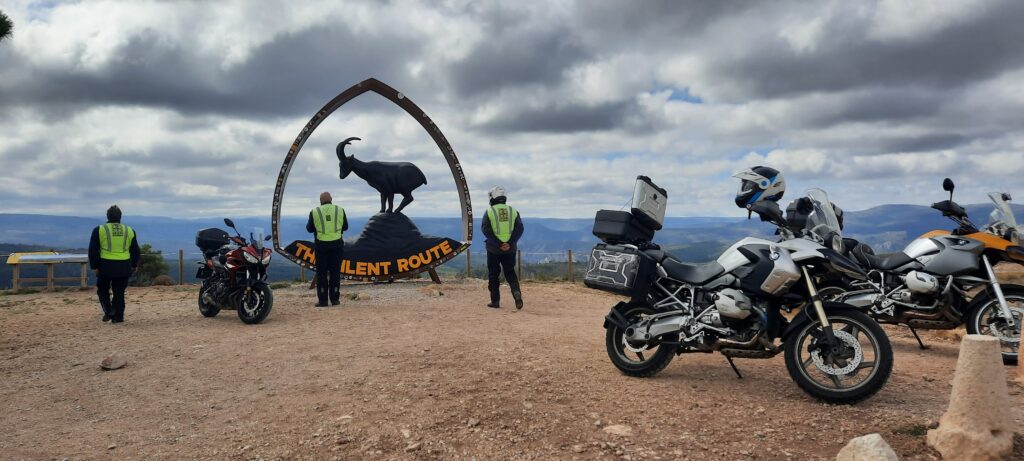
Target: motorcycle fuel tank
{"points": [[957, 256]]}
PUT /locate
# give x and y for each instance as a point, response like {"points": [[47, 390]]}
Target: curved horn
{"points": [[341, 146]]}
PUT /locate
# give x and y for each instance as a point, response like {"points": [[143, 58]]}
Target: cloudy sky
{"points": [[188, 108]]}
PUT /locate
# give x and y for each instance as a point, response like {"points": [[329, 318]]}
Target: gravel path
{"points": [[413, 371]]}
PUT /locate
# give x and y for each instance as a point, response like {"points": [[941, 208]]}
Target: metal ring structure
{"points": [[393, 95]]}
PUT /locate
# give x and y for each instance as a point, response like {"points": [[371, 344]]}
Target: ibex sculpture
{"points": [[389, 178]]}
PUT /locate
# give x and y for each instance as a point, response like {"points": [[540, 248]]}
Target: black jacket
{"points": [[492, 243], [311, 228], [113, 269]]}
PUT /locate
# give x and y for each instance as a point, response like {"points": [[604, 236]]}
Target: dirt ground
{"points": [[412, 371]]}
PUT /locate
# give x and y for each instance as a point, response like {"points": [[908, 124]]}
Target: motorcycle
{"points": [[756, 293], [931, 284], [234, 274]]}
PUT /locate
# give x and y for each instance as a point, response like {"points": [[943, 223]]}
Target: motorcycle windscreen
{"points": [[823, 220]]}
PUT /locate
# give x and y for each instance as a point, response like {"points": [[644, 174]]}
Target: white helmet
{"points": [[496, 192], [759, 183]]}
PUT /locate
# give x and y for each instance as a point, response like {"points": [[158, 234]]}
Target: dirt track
{"points": [[406, 373]]}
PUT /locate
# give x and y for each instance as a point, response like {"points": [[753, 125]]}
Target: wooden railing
{"points": [[50, 260]]}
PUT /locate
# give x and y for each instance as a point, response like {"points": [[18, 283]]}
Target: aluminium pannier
{"points": [[624, 270]]}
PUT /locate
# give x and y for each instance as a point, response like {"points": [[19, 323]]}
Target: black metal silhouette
{"points": [[389, 178]]}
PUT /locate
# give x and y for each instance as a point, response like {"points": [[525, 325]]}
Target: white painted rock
{"points": [[977, 425], [871, 447], [114, 361], [620, 430]]}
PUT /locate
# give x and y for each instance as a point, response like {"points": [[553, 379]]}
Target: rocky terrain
{"points": [[414, 371]]}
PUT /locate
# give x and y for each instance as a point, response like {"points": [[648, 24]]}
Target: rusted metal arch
{"points": [[393, 95]]}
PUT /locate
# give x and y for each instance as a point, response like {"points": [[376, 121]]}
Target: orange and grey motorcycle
{"points": [[945, 279]]}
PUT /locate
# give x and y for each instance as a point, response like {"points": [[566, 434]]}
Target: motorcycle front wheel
{"points": [[636, 359], [205, 308], [853, 371], [987, 319], [254, 306]]}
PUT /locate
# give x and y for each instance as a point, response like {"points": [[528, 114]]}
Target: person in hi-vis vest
{"points": [[114, 257], [328, 222], [502, 226]]}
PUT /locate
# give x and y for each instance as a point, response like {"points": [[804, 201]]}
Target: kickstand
{"points": [[734, 369], [918, 338]]}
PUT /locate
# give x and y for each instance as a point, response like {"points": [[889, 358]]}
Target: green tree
{"points": [[6, 26], [151, 265]]}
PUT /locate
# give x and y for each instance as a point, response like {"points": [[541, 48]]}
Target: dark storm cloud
{"points": [[976, 48], [878, 105], [517, 57], [295, 74], [561, 118]]}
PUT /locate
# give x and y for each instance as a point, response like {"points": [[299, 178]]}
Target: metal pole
{"points": [[302, 274], [17, 277], [519, 263], [181, 267], [469, 268], [571, 278]]}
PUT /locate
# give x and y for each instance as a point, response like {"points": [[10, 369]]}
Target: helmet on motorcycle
{"points": [[759, 183]]}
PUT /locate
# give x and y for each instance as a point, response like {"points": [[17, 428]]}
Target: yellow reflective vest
{"points": [[503, 221], [328, 220], [115, 241]]}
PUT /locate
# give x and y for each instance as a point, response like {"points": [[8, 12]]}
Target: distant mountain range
{"points": [[886, 228]]}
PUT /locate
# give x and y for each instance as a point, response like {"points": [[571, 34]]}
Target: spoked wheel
{"points": [[637, 359], [255, 305], [205, 308], [987, 319], [852, 371]]}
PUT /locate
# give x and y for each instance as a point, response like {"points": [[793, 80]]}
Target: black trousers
{"points": [[112, 307], [328, 274], [496, 264]]}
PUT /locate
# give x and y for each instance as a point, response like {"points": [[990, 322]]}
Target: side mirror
{"points": [[1006, 196], [948, 186], [267, 238], [229, 223]]}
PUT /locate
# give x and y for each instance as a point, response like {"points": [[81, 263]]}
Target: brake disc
{"points": [[848, 340]]}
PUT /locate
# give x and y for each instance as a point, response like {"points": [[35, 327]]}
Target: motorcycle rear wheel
{"points": [[638, 360], [255, 306], [866, 351], [208, 310]]}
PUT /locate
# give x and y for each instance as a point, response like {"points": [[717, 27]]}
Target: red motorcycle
{"points": [[234, 273]]}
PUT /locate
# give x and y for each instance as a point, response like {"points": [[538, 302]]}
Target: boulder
{"points": [[871, 447], [114, 361], [977, 425], [163, 280]]}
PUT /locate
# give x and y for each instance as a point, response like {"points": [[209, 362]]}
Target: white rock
{"points": [[114, 361], [871, 447], [621, 430]]}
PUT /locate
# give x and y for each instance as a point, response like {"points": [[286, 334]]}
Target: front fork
{"points": [[819, 308], [1004, 308]]}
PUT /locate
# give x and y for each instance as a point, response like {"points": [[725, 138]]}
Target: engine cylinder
{"points": [[921, 283]]}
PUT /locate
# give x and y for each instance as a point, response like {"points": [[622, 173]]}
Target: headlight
{"points": [[250, 258], [266, 260]]}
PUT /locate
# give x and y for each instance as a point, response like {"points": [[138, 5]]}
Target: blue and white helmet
{"points": [[759, 183]]}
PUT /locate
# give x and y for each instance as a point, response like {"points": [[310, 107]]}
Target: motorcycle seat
{"points": [[691, 273], [887, 261]]}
